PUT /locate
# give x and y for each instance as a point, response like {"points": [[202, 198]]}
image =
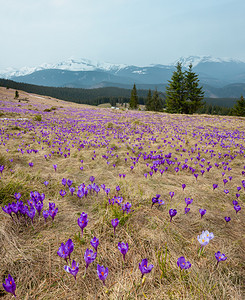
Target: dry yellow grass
{"points": [[29, 253]]}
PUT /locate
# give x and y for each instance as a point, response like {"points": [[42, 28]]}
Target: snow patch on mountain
{"points": [[196, 60]]}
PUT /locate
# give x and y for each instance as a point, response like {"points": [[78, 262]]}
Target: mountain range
{"points": [[219, 77]]}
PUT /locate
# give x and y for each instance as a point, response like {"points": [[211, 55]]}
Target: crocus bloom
{"points": [[235, 202], [94, 243], [63, 181], [45, 183], [123, 249], [202, 212], [10, 285], [55, 167], [45, 214], [182, 263], [89, 257], [102, 273], [83, 221], [172, 213], [188, 201], [205, 237], [73, 270], [62, 252], [215, 186], [17, 196], [114, 223], [143, 267], [187, 209], [171, 194], [92, 179], [183, 186], [62, 193], [220, 257], [227, 219], [53, 212], [237, 208], [72, 190], [39, 206], [69, 182], [31, 213]]}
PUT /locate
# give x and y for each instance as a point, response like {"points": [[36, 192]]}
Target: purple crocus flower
{"points": [[118, 188], [188, 201], [107, 190], [202, 212], [8, 209], [89, 257], [31, 164], [143, 267], [226, 192], [94, 243], [92, 179], [182, 263], [187, 209], [227, 219], [45, 214], [69, 182], [53, 212], [46, 183], [237, 208], [220, 257], [10, 285], [31, 213], [1, 168], [73, 270], [72, 190], [215, 186], [62, 193], [123, 249], [102, 273], [39, 206], [172, 213], [183, 186], [55, 167], [17, 196], [63, 181], [114, 223], [62, 252], [171, 194], [82, 221], [234, 202]]}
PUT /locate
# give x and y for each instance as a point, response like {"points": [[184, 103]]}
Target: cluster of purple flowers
{"points": [[126, 207], [35, 205], [157, 199]]}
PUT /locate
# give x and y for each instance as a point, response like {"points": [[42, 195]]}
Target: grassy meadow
{"points": [[144, 154]]}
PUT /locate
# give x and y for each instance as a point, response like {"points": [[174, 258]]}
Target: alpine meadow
{"points": [[121, 203]]}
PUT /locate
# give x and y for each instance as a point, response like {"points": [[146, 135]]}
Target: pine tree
{"points": [[175, 91], [148, 105], [156, 102], [194, 93], [239, 108], [133, 103]]}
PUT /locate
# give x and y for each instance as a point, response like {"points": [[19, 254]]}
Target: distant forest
{"points": [[112, 95]]}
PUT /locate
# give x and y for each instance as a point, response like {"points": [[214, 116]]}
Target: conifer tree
{"points": [[148, 105], [194, 93], [239, 108], [133, 103], [156, 102], [175, 91], [184, 95]]}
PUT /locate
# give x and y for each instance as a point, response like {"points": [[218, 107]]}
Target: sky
{"points": [[134, 32]]}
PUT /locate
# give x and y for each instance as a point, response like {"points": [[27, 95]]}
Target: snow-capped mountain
{"points": [[196, 60], [84, 73], [68, 65]]}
